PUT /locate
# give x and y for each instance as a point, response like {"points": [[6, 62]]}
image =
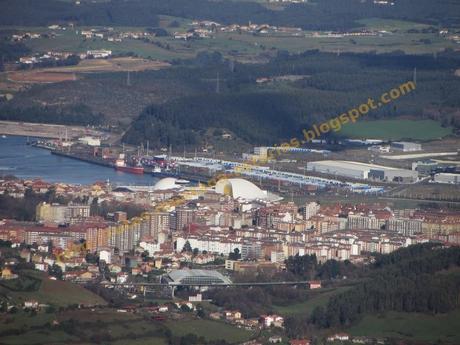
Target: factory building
{"points": [[425, 167], [447, 178], [90, 141], [261, 151], [358, 170], [405, 146]]}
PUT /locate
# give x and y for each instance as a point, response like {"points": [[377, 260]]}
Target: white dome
{"points": [[166, 183], [240, 188]]}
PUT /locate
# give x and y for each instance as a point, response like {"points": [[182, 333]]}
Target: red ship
{"points": [[120, 165]]}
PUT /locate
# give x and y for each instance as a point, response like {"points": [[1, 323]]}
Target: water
{"points": [[26, 162]]}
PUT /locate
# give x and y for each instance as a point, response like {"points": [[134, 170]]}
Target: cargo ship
{"points": [[120, 165]]}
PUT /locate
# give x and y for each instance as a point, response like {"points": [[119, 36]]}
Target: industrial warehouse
{"points": [[360, 170]]}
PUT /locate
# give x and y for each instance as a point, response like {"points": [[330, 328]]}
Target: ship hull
{"points": [[162, 174], [130, 170]]}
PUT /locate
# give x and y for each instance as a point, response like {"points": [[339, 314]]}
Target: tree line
{"points": [[24, 209]]}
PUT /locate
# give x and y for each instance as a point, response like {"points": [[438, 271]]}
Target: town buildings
{"points": [[259, 234]]}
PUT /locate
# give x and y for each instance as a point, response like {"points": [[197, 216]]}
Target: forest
{"points": [[78, 114], [268, 113], [11, 51], [422, 278]]}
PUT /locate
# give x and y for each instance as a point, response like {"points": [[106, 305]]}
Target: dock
{"points": [[88, 159]]}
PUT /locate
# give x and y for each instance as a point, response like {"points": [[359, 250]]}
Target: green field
{"points": [[87, 327], [210, 330], [443, 329], [121, 328], [248, 46], [395, 130], [316, 299], [55, 292], [391, 24]]}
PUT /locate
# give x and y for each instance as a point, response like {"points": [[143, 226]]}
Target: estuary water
{"points": [[25, 161]]}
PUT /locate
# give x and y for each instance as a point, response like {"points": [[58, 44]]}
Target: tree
{"points": [[94, 207], [92, 258], [200, 311], [184, 307], [235, 255], [187, 247], [51, 309], [55, 271]]}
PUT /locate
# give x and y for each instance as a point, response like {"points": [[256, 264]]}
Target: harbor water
{"points": [[27, 162]]}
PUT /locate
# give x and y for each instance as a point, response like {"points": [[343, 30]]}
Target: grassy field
{"points": [[396, 130], [422, 327], [88, 326], [58, 293], [316, 299], [68, 73], [391, 24], [211, 330]]}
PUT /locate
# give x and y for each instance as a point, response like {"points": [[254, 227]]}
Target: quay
{"points": [[87, 159]]}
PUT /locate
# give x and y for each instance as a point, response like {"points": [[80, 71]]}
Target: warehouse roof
{"points": [[353, 165]]}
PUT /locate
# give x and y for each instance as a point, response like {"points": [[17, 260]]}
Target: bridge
{"points": [[174, 285], [197, 284]]}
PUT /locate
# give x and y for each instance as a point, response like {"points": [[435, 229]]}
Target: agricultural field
{"points": [[442, 329], [210, 330], [315, 299], [39, 77], [396, 130], [413, 38], [245, 45], [391, 25], [37, 286], [69, 73], [81, 327], [93, 326]]}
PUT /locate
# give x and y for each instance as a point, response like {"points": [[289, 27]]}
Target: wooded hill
{"points": [[279, 110]]}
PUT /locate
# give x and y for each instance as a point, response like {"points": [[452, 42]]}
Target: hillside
{"points": [[38, 286], [418, 285], [415, 326], [325, 85]]}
